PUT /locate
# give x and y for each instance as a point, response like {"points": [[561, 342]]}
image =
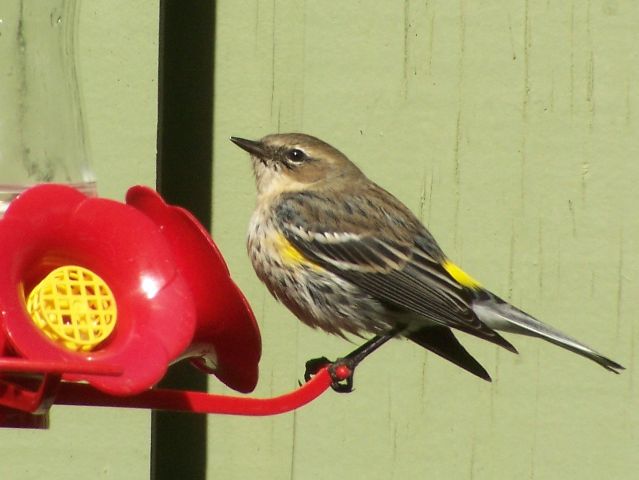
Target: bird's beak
{"points": [[254, 148]]}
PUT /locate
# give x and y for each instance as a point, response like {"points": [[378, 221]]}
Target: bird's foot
{"points": [[341, 371]]}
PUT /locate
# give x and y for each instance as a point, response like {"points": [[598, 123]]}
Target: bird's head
{"points": [[293, 161]]}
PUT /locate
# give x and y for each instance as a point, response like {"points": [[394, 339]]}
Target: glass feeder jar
{"points": [[42, 134]]}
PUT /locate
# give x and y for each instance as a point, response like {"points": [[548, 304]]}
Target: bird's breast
{"points": [[316, 296]]}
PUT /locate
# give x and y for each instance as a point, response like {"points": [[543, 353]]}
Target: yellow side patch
{"points": [[460, 276], [292, 255]]}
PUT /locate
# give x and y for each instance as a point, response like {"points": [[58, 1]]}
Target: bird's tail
{"points": [[500, 315]]}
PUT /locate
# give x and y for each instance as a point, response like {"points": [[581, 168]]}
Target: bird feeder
{"points": [[98, 298]]}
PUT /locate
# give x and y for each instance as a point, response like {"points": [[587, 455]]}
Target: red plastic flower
{"points": [[171, 286]]}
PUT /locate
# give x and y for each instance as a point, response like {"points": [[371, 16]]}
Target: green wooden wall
{"points": [[508, 127]]}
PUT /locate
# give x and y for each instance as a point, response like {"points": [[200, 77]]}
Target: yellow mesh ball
{"points": [[74, 307]]}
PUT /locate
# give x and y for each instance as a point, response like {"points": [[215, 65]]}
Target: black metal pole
{"points": [[184, 177]]}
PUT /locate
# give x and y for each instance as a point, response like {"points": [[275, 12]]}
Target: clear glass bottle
{"points": [[42, 134]]}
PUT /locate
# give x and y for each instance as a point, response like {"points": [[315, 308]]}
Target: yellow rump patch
{"points": [[292, 255], [460, 276]]}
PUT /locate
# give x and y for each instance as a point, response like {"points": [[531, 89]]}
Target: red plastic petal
{"points": [[227, 334]]}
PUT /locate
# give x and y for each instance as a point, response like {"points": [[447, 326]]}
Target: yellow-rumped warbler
{"points": [[346, 256]]}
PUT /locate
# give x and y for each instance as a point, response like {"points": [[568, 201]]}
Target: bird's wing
{"points": [[408, 273], [442, 341]]}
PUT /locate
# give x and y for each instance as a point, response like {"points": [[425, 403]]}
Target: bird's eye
{"points": [[295, 155]]}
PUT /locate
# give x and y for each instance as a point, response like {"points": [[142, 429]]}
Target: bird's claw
{"points": [[341, 372], [314, 365]]}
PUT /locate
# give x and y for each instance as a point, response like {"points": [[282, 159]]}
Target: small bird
{"points": [[346, 256]]}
